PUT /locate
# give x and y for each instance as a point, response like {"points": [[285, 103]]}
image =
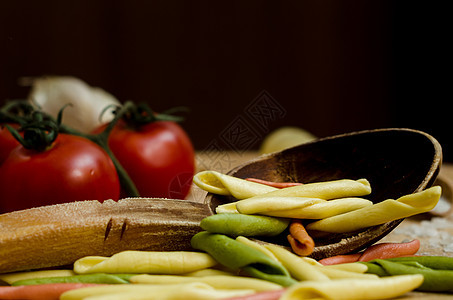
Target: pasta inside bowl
{"points": [[395, 161]]}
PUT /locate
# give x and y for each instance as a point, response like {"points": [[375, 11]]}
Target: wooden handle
{"points": [[59, 234]]}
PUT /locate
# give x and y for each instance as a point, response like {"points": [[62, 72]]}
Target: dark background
{"points": [[333, 66]]}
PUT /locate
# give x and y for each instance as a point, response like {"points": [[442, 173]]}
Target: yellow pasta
{"points": [[10, 278], [305, 268], [380, 213], [298, 268], [153, 262], [301, 196], [255, 245], [336, 273], [326, 190], [216, 281], [350, 267], [187, 291], [221, 184], [228, 208], [318, 210], [264, 204], [212, 272], [350, 289]]}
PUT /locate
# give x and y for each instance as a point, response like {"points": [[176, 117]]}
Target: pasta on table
{"points": [[225, 280]]}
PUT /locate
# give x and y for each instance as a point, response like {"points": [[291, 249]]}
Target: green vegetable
{"points": [[85, 278], [244, 225], [434, 280], [240, 257], [433, 262]]}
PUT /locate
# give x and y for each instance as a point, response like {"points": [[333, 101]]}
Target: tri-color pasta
{"points": [[304, 277], [226, 254], [336, 206]]}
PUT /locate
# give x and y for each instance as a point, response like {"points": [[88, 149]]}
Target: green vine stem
{"points": [[102, 140], [39, 132]]}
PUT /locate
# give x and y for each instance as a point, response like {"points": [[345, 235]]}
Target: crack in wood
{"points": [[108, 228], [123, 228]]}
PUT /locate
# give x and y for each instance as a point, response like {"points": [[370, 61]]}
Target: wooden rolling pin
{"points": [[57, 235]]}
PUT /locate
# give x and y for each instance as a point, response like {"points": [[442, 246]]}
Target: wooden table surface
{"points": [[435, 231]]}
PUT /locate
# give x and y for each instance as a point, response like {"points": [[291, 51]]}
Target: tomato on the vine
{"points": [[72, 168], [158, 157]]}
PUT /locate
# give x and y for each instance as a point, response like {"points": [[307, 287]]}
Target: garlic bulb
{"points": [[50, 94]]}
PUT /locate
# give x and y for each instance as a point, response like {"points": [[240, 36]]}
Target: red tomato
{"points": [[73, 169], [7, 142], [159, 158]]}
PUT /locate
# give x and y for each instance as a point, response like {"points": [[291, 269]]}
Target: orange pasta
{"points": [[378, 251], [340, 259], [301, 243], [390, 250], [279, 185]]}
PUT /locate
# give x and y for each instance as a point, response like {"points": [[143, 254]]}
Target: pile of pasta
{"points": [[226, 264], [201, 275], [331, 207]]}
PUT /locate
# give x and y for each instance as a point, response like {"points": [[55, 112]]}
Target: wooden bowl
{"points": [[396, 162]]}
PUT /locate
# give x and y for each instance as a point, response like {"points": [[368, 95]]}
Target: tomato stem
{"points": [[40, 131], [136, 115], [126, 182], [101, 139]]}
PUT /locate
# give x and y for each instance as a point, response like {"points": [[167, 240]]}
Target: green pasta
{"points": [[433, 262], [244, 225], [240, 257], [374, 268], [434, 280]]}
